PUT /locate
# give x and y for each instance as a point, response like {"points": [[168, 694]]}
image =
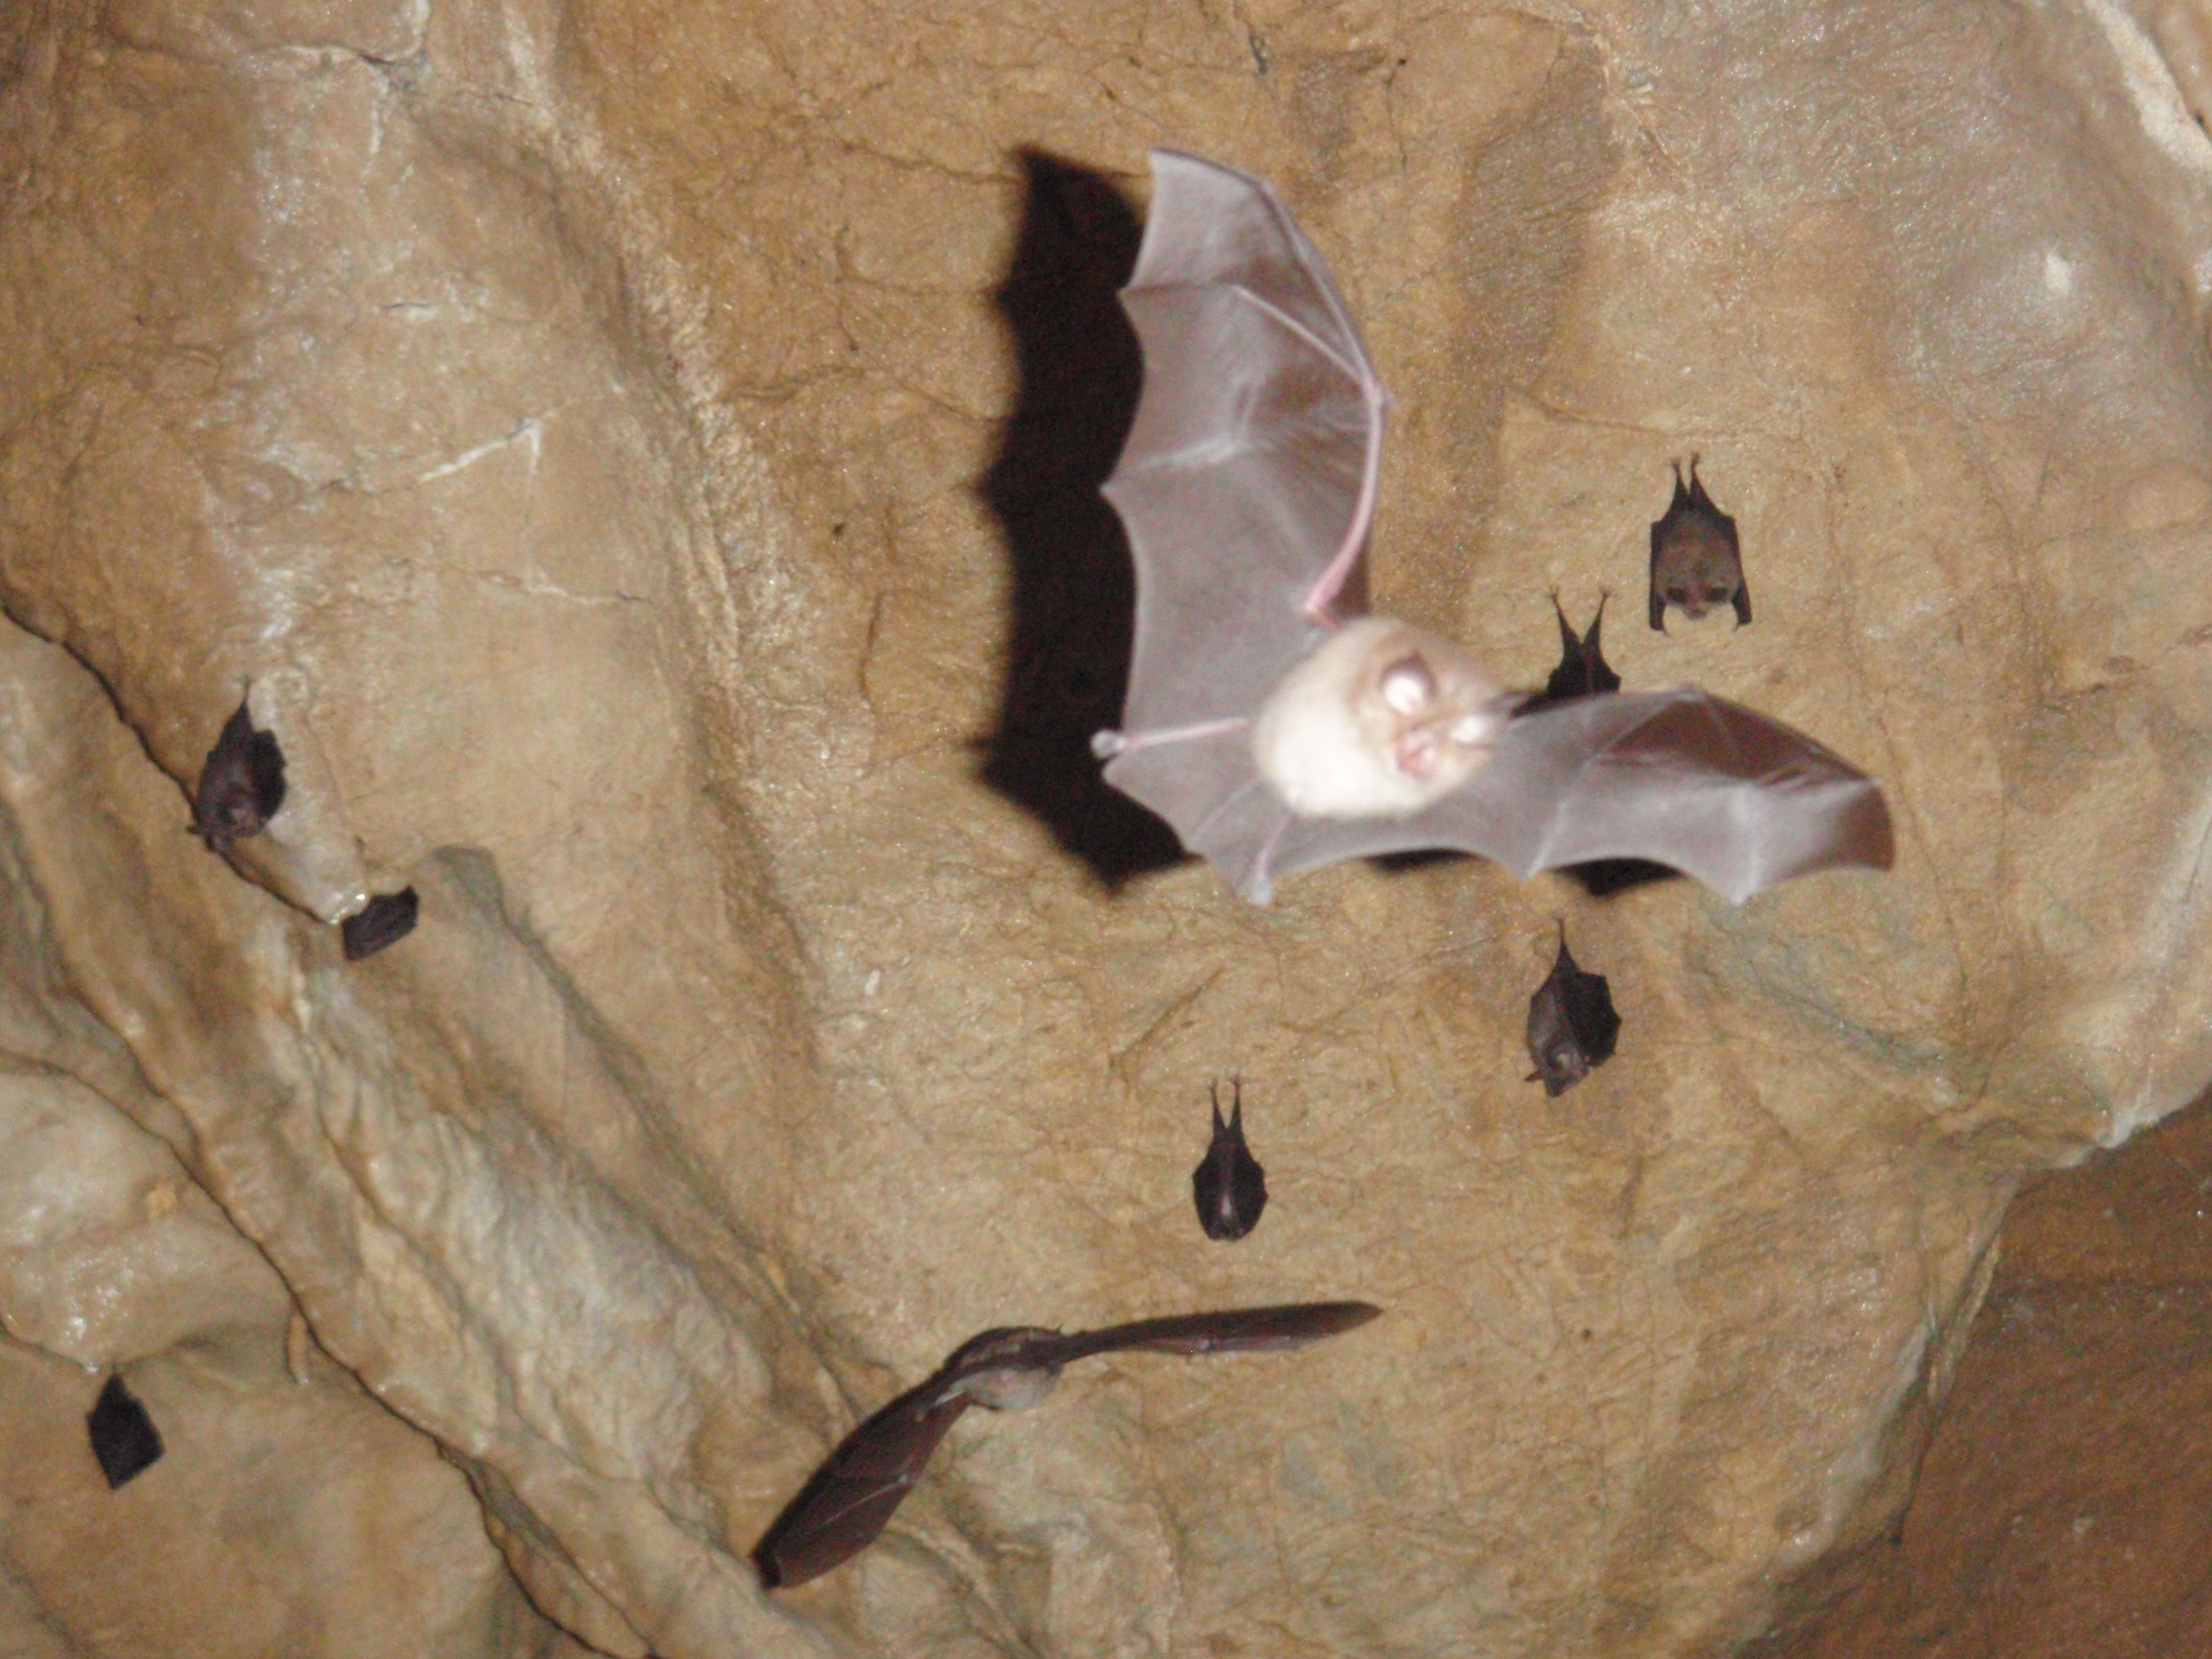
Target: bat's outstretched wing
{"points": [[1249, 478], [1285, 1325], [1208, 787], [1247, 485], [1703, 785], [844, 1508]]}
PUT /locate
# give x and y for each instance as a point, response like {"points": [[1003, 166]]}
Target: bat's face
{"points": [[1561, 1064], [1699, 571], [232, 818], [1380, 721], [1697, 562]]}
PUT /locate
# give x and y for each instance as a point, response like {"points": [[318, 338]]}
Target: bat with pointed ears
{"points": [[1229, 1187], [1697, 562], [844, 1508], [1582, 670], [1275, 735]]}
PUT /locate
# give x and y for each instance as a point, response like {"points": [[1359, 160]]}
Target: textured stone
{"points": [[2063, 1511], [288, 1512], [643, 460]]}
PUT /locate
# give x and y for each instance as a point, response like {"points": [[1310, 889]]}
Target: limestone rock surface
{"points": [[642, 461]]}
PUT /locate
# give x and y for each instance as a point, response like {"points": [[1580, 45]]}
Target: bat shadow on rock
{"points": [[1603, 877], [1074, 588], [1599, 878]]}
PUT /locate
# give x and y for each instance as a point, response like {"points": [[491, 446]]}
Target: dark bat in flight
{"points": [[1582, 670], [1572, 1023], [242, 784], [846, 1505], [1274, 736], [1696, 562], [1228, 1186]]}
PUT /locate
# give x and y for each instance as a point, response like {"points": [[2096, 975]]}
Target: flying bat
{"points": [[851, 1497], [1229, 1187], [1572, 1023], [1695, 561], [241, 785], [1275, 735]]}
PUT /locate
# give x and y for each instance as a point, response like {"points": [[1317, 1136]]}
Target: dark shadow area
{"points": [[1600, 878], [2063, 1509], [1398, 862], [1074, 591], [1603, 877]]}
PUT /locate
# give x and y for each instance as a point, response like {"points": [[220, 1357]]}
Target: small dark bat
{"points": [[1274, 736], [1582, 670], [1572, 1023], [242, 786], [384, 920], [1228, 1186], [844, 1508], [124, 1438], [1696, 562]]}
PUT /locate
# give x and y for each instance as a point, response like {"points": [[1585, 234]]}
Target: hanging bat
{"points": [[1695, 561], [1228, 1186], [241, 785], [1273, 735], [124, 1442], [383, 920], [1572, 1023], [851, 1497], [1582, 670]]}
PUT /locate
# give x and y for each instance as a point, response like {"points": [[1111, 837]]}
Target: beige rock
{"points": [[643, 460], [286, 1514]]}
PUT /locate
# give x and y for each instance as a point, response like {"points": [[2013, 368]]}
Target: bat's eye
{"points": [[1714, 595], [1408, 686], [1678, 595]]}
